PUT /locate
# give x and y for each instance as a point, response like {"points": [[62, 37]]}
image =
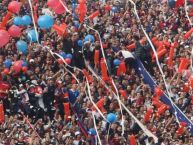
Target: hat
{"points": [[31, 60], [77, 133], [34, 82]]}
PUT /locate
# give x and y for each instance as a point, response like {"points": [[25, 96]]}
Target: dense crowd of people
{"points": [[34, 101]]}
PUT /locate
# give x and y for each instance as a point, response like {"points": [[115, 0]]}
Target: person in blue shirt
{"points": [[73, 94]]}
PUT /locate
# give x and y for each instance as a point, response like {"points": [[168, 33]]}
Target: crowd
{"points": [[34, 101]]}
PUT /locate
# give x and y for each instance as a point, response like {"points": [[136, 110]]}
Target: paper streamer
{"points": [[33, 19], [157, 60], [191, 24], [146, 131], [100, 143], [117, 92]]}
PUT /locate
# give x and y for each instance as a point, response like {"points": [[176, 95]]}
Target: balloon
{"points": [[60, 61], [18, 21], [121, 69], [116, 62], [104, 70], [14, 31], [81, 1], [14, 7], [89, 38], [6, 71], [8, 63], [68, 60], [31, 35], [22, 46], [114, 9], [45, 22], [26, 20], [69, 56], [5, 19], [96, 57], [4, 38], [92, 131], [59, 9], [184, 63], [52, 3], [74, 6], [63, 54], [17, 66], [100, 105], [80, 43], [86, 74], [158, 92], [24, 69], [111, 117]]}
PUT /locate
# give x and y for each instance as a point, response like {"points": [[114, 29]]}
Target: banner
{"points": [[174, 109]]}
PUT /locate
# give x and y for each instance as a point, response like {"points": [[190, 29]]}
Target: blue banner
{"points": [[164, 98]]}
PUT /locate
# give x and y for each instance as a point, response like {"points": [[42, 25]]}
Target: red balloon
{"points": [[4, 38], [17, 66], [60, 61], [82, 1], [15, 31], [158, 92], [24, 69], [68, 60], [59, 9], [6, 71], [52, 3], [14, 7]]}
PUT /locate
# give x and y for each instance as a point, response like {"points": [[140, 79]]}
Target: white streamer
{"points": [[100, 143], [35, 28], [138, 122], [146, 131], [118, 97], [157, 61], [65, 7], [191, 24]]}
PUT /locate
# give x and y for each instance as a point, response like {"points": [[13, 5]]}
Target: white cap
{"points": [[31, 60], [77, 133], [34, 82]]}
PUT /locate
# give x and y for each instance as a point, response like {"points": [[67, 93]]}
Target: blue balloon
{"points": [[18, 21], [89, 38], [24, 63], [26, 20], [63, 54], [31, 36], [8, 63], [45, 22], [74, 5], [22, 46], [111, 117], [92, 131], [114, 9], [116, 62], [69, 56], [76, 24], [80, 43]]}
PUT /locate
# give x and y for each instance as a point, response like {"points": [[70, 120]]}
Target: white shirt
{"points": [[47, 11]]}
